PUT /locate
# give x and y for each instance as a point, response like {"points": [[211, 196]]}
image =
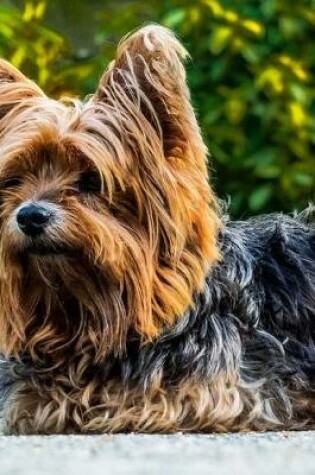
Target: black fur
{"points": [[261, 297], [256, 316]]}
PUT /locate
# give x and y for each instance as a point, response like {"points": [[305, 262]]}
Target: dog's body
{"points": [[128, 302]]}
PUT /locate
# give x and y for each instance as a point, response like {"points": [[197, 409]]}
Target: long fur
{"points": [[151, 311]]}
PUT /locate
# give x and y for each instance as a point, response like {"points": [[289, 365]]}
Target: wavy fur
{"points": [[140, 307]]}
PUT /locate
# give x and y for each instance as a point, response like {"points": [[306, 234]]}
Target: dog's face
{"points": [[66, 188], [107, 222]]}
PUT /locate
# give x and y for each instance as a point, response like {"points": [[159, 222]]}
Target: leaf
{"points": [[220, 39], [254, 27], [174, 17], [268, 171], [298, 114], [303, 179], [260, 197], [235, 109]]}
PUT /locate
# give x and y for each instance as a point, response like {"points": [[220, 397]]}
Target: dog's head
{"points": [[108, 224]]}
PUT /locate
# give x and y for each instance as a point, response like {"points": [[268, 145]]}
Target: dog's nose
{"points": [[33, 218]]}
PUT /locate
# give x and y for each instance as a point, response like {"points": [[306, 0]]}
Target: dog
{"points": [[129, 300]]}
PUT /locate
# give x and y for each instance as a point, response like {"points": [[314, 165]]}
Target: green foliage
{"points": [[252, 80], [40, 51], [253, 85]]}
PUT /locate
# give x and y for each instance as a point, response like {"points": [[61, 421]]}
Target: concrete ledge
{"points": [[282, 453]]}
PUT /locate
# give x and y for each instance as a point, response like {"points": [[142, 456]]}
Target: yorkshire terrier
{"points": [[129, 302]]}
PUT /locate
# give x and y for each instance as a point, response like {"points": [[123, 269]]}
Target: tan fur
{"points": [[69, 405], [159, 256]]}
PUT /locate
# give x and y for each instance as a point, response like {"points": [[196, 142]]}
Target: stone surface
{"points": [[237, 454]]}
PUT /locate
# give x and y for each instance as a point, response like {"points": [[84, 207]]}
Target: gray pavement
{"points": [[282, 453]]}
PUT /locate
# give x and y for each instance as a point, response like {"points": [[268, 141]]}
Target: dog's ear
{"points": [[14, 87], [144, 99], [148, 77]]}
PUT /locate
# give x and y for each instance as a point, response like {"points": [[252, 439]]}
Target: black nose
{"points": [[33, 218]]}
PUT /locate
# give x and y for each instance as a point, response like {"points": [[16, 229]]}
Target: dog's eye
{"points": [[90, 182], [10, 183]]}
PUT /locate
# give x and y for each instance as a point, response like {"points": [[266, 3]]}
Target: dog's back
{"points": [[269, 271], [243, 356]]}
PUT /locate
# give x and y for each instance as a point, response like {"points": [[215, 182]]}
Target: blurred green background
{"points": [[252, 79]]}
